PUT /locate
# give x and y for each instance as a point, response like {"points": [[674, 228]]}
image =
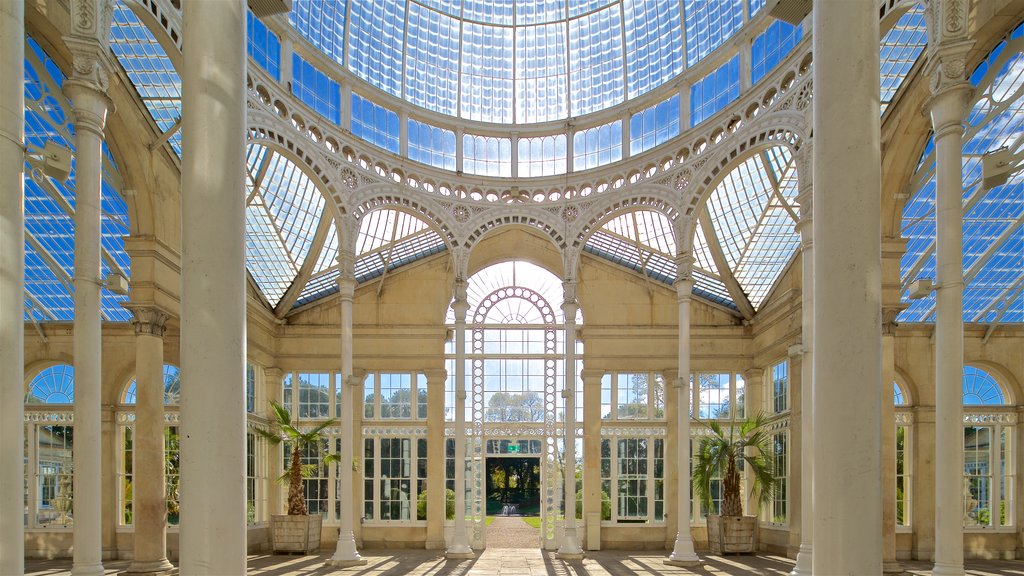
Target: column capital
{"points": [[755, 374], [435, 375], [460, 304], [148, 320], [89, 42], [889, 323], [90, 103], [947, 80], [273, 373], [680, 383], [591, 374], [684, 289]]}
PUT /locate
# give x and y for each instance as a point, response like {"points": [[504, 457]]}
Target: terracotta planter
{"points": [[732, 534], [295, 533]]}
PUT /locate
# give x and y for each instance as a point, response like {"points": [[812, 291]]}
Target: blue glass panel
{"points": [[322, 22], [715, 91], [486, 155], [376, 42], [54, 385], [595, 61], [597, 146], [541, 73], [431, 145], [771, 47], [654, 43], [432, 60], [318, 287], [653, 126], [487, 67], [149, 69], [542, 156], [316, 89], [709, 23], [264, 46], [374, 123], [489, 11], [49, 227], [539, 12], [981, 389], [755, 6], [899, 49]]}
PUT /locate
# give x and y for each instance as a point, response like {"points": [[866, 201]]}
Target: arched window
{"points": [[54, 385], [988, 452], [904, 419], [898, 397], [172, 387]]}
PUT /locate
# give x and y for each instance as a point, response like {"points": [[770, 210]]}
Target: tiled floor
{"points": [[525, 562]]}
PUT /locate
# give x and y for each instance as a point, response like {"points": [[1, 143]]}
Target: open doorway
{"points": [[513, 488]]}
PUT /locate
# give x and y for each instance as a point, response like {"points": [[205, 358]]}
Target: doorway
{"points": [[513, 501]]}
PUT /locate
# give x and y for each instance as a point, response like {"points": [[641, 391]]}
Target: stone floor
{"points": [[525, 562]]}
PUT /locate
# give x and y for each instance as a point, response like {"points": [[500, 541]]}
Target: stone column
{"points": [[87, 91], [753, 380], [459, 548], [947, 50], [570, 548], [436, 497], [345, 554], [149, 503], [213, 329], [12, 287], [805, 228], [889, 563], [847, 347], [275, 453], [682, 551], [592, 456]]}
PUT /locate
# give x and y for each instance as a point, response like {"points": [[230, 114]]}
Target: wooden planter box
{"points": [[295, 533], [732, 534]]}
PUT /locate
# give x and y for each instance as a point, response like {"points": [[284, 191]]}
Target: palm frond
{"points": [[269, 436], [281, 414]]}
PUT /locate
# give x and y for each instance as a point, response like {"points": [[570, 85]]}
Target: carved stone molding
{"points": [[89, 42], [148, 320], [889, 323]]}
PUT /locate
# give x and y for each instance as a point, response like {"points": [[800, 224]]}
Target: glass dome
{"points": [[503, 61]]}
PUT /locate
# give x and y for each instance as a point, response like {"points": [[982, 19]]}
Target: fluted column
{"points": [[847, 347], [87, 91], [12, 287], [149, 503], [948, 45], [436, 497], [805, 228], [570, 548], [459, 547], [345, 553], [213, 330], [682, 552]]}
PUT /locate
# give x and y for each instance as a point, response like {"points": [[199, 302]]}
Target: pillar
{"points": [[592, 455], [12, 287], [570, 548], [753, 380], [213, 330], [947, 50], [149, 504], [805, 228], [437, 502], [87, 91], [889, 563], [847, 347], [345, 553], [275, 452], [682, 551], [459, 547]]}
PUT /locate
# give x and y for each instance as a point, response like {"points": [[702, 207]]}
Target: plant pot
{"points": [[732, 534], [295, 533]]}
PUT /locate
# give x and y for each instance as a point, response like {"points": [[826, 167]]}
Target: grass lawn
{"points": [[532, 521]]}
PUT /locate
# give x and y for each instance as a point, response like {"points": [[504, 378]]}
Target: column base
{"points": [[948, 570], [570, 548], [803, 562], [569, 555], [684, 563], [92, 569], [892, 568], [459, 552], [683, 554], [345, 555], [149, 568]]}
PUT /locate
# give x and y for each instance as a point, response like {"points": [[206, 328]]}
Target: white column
{"points": [[345, 553], [570, 548], [847, 346], [682, 551], [459, 548], [804, 227], [12, 287], [437, 498], [947, 106], [213, 329], [87, 91], [149, 504]]}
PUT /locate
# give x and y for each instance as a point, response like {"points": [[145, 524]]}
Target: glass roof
{"points": [[517, 62], [993, 235], [50, 205]]}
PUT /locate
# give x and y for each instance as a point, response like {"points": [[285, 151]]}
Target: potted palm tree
{"points": [[297, 531], [720, 455]]}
